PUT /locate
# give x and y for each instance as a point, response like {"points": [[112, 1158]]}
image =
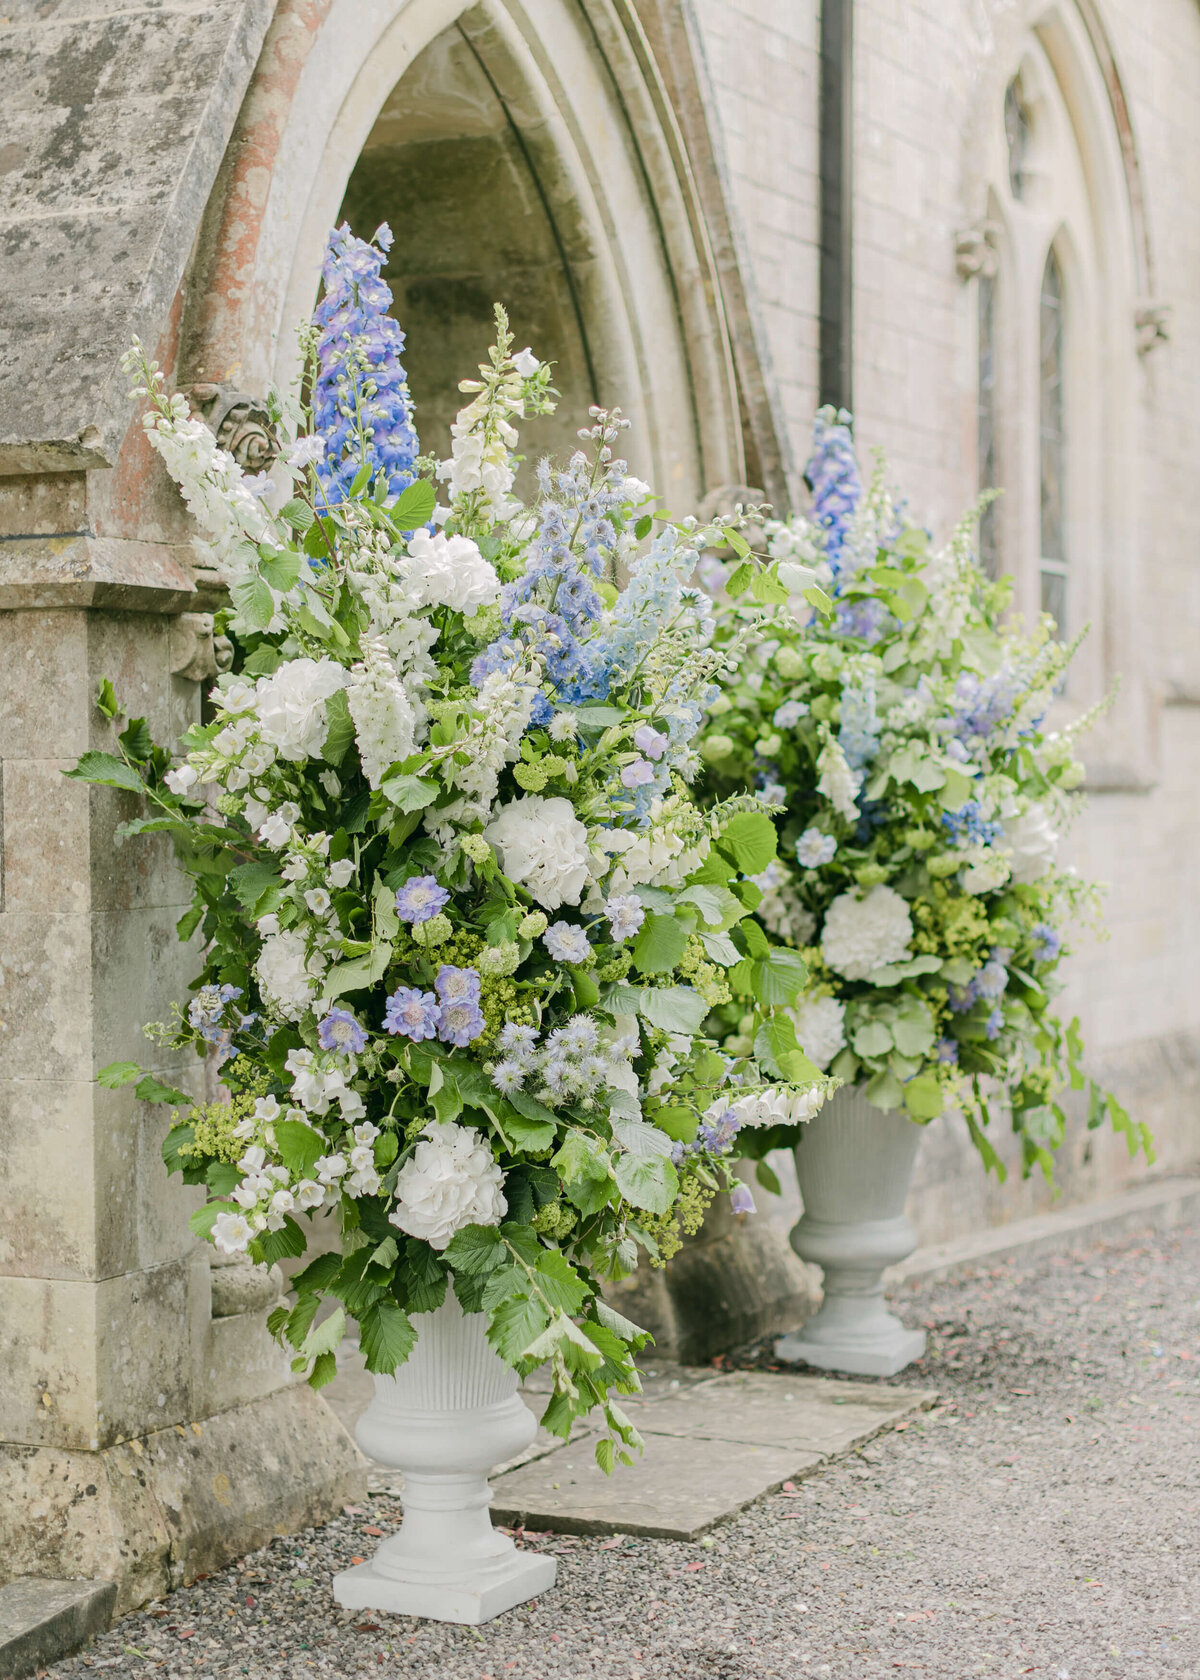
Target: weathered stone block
{"points": [[156, 1511], [44, 683]]}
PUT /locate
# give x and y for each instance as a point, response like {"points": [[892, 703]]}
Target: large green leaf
{"points": [[414, 506], [778, 1052], [299, 1145], [778, 977], [251, 880], [253, 602], [356, 975], [281, 569], [652, 1184], [340, 728], [387, 1336], [675, 1009], [923, 1097], [750, 839], [660, 945], [515, 1323], [559, 1282], [108, 771], [476, 1249], [873, 1038]]}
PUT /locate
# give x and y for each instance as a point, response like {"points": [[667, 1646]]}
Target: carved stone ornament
{"points": [[240, 424], [195, 653], [975, 251], [1152, 323]]}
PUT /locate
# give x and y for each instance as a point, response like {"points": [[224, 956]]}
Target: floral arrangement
{"points": [[898, 718], [461, 920]]}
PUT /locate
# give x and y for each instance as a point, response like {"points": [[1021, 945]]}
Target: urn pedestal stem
{"points": [[446, 1418], [854, 1163]]}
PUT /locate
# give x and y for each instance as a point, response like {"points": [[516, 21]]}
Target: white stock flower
{"points": [[450, 1180], [820, 1025], [1034, 843], [543, 846], [838, 782], [385, 720], [450, 572], [291, 706], [283, 974], [526, 363], [863, 934]]}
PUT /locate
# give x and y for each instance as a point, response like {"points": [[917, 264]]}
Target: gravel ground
{"points": [[1044, 1520]]}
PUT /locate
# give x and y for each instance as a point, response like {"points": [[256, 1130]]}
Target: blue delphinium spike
{"points": [[361, 402]]}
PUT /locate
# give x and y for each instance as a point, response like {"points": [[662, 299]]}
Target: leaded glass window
{"points": [[1052, 435], [986, 422], [1018, 132]]}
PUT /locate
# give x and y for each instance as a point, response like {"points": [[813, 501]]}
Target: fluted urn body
{"points": [[854, 1163], [447, 1417]]}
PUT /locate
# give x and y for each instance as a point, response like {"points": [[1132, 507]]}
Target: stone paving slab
{"points": [[715, 1442], [712, 1448], [672, 1492], [42, 1620]]}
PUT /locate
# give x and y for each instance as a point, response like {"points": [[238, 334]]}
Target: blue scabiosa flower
{"points": [[361, 403], [457, 985], [814, 849], [459, 1023], [412, 1013], [994, 1025], [946, 1050], [566, 943], [625, 913], [420, 899], [991, 980], [340, 1031], [1046, 942]]}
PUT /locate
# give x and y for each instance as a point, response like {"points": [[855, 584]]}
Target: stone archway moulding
{"points": [[572, 78]]}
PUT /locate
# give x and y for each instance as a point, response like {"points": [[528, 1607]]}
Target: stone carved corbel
{"points": [[240, 424], [1151, 323], [975, 251], [195, 653]]}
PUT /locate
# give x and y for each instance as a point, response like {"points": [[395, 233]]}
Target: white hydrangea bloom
{"points": [[820, 1024], [864, 933], [291, 706], [543, 846], [450, 1180], [450, 572], [286, 974]]}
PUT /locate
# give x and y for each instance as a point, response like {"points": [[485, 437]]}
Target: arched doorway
{"points": [[521, 152]]}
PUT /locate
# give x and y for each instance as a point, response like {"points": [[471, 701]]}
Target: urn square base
{"points": [[475, 1597], [884, 1356]]}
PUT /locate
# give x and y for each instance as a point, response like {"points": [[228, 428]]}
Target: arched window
{"points": [[1052, 453], [987, 426], [1018, 133]]}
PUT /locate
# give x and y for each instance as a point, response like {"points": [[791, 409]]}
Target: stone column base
{"points": [[153, 1513]]}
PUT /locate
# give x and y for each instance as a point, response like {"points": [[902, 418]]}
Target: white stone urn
{"points": [[446, 1418], [854, 1163]]}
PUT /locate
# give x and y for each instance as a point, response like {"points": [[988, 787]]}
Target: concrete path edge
{"points": [[42, 1620]]}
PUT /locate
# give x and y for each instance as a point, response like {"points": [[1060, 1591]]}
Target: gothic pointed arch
{"points": [[538, 139]]}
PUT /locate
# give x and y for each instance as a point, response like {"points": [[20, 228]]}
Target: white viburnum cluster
{"points": [[863, 932]]}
